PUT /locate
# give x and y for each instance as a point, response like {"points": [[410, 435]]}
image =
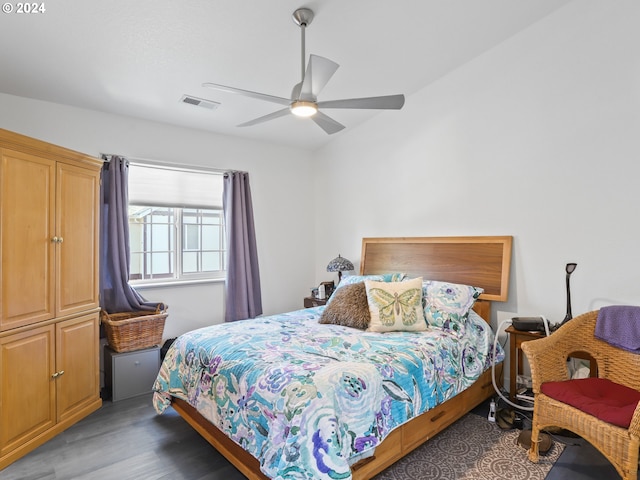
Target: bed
{"points": [[286, 397]]}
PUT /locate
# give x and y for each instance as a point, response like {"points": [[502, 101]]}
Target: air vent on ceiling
{"points": [[199, 102]]}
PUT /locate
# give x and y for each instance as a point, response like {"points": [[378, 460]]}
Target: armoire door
{"points": [[77, 365], [27, 199], [27, 392], [77, 224]]}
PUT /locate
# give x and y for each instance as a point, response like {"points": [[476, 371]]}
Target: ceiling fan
{"points": [[304, 97]]}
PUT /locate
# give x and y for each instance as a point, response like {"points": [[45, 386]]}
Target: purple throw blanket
{"points": [[619, 325]]}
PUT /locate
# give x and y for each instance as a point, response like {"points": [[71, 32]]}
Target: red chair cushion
{"points": [[609, 401]]}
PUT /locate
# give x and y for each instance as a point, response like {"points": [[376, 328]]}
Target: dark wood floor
{"points": [[127, 440]]}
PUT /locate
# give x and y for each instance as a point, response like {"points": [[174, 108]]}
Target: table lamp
{"points": [[339, 264]]}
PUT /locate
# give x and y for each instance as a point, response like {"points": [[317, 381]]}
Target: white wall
{"points": [[539, 138], [281, 184]]}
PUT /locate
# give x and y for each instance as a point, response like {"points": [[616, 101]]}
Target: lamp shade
{"points": [[339, 264]]}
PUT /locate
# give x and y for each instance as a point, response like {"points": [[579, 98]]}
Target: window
{"points": [[176, 230]]}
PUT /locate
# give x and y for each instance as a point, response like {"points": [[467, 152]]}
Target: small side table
{"points": [[314, 302], [516, 339]]}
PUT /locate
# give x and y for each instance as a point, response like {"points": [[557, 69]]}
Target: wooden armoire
{"points": [[49, 306]]}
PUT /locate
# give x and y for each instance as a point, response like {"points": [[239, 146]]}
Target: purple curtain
{"points": [[116, 295], [243, 296]]}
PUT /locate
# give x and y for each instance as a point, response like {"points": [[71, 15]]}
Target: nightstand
{"points": [[516, 339], [129, 374], [313, 302]]}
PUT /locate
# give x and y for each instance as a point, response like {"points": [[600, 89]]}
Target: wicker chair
{"points": [[547, 358]]}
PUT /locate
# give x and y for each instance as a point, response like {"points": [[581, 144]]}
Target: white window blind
{"points": [[174, 186]]}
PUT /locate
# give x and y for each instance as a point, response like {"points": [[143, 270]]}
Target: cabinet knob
{"points": [[57, 374], [54, 239], [60, 239]]}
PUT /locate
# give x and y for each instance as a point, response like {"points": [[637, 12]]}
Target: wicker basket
{"points": [[129, 331]]}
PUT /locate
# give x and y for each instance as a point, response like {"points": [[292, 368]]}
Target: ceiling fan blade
{"points": [[248, 93], [319, 72], [328, 124], [266, 118], [389, 102]]}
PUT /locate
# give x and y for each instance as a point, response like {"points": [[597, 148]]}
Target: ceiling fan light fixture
{"points": [[301, 108]]}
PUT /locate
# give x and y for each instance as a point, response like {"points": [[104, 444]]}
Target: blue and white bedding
{"points": [[304, 398]]}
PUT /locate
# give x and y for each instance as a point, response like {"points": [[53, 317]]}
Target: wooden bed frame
{"points": [[480, 261]]}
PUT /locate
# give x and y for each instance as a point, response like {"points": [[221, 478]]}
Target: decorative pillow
{"points": [[393, 277], [351, 279], [447, 305], [395, 306], [349, 307]]}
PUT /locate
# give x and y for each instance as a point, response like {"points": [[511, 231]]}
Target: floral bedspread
{"points": [[304, 398]]}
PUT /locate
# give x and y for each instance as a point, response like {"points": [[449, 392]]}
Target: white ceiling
{"points": [[138, 58]]}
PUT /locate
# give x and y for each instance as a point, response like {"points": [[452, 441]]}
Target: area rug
{"points": [[472, 449]]}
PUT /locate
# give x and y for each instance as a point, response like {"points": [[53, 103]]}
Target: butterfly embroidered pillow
{"points": [[447, 305], [395, 306]]}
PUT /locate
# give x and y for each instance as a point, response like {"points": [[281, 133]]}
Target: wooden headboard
{"points": [[483, 262]]}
